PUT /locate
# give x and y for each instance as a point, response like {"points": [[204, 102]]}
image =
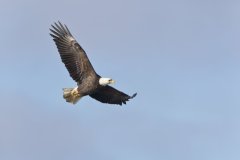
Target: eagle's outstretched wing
{"points": [[72, 54], [110, 95]]}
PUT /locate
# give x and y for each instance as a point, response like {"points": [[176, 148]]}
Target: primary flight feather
{"points": [[82, 71]]}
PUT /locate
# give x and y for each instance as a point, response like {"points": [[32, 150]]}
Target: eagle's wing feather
{"points": [[108, 94], [72, 54]]}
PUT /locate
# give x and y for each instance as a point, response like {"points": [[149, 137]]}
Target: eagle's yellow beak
{"points": [[112, 81]]}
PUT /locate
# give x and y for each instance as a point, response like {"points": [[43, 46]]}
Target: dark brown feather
{"points": [[108, 94], [72, 54]]}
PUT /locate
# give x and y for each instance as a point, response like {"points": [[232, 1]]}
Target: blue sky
{"points": [[182, 57]]}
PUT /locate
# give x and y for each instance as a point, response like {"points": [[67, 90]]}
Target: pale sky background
{"points": [[181, 56]]}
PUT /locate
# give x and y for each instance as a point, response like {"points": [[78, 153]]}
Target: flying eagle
{"points": [[82, 71]]}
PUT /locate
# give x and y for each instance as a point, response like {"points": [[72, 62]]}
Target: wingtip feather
{"points": [[134, 95]]}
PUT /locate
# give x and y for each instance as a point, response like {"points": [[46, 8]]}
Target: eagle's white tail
{"points": [[71, 95]]}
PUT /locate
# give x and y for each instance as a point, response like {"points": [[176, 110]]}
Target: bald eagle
{"points": [[82, 71]]}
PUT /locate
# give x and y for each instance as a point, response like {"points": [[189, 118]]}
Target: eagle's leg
{"points": [[71, 95], [75, 92]]}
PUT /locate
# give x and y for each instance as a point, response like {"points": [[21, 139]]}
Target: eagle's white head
{"points": [[106, 81]]}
